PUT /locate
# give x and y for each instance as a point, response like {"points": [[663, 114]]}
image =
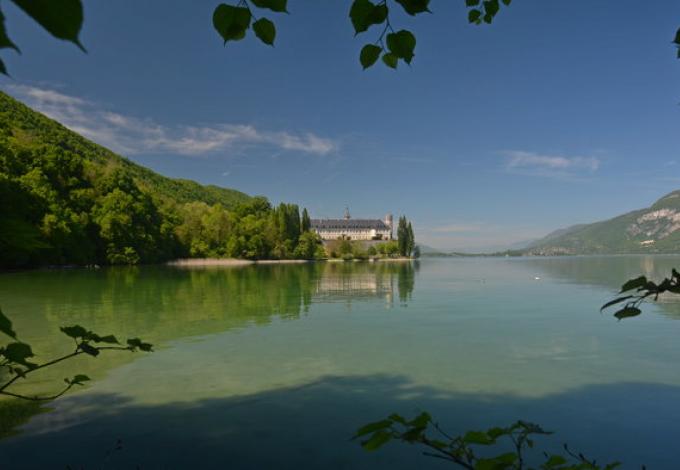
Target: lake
{"points": [[276, 366]]}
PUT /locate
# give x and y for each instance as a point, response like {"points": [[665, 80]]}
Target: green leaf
{"points": [[397, 418], [373, 427], [379, 14], [3, 69], [75, 331], [402, 43], [88, 349], [413, 7], [491, 7], [369, 55], [555, 461], [136, 343], [62, 19], [376, 441], [265, 30], [274, 5], [495, 433], [616, 301], [634, 283], [474, 15], [413, 434], [477, 437], [390, 60], [500, 462], [6, 323], [471, 3], [110, 339], [507, 2], [364, 13], [79, 379], [5, 41], [231, 22], [422, 420], [18, 353], [677, 37], [627, 312]]}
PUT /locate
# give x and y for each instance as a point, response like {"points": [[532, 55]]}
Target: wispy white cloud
{"points": [[538, 164], [132, 135]]}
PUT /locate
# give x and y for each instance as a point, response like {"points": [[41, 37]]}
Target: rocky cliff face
{"points": [[656, 225]]}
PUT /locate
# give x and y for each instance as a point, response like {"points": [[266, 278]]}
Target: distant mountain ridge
{"points": [[655, 229]]}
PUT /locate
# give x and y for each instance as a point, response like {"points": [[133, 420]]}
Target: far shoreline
{"points": [[231, 262], [200, 262]]}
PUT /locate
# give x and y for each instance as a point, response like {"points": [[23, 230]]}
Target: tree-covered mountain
{"points": [[67, 200], [655, 229]]}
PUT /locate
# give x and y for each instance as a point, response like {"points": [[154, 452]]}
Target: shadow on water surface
{"points": [[309, 426]]}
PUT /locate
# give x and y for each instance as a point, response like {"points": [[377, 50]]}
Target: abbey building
{"points": [[353, 229]]}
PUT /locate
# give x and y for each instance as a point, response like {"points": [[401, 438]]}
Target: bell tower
{"points": [[347, 216], [389, 222]]}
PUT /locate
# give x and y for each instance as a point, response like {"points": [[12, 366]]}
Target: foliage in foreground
{"points": [[63, 19], [473, 450], [639, 290], [16, 363]]}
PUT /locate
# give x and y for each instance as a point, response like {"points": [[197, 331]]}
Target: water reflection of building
{"points": [[365, 282]]}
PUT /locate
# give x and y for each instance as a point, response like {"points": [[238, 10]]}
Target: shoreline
{"points": [[188, 262], [201, 262]]}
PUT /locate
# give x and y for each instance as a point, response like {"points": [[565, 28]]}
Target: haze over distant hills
{"points": [[655, 229]]}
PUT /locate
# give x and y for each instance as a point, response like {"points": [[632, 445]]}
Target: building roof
{"points": [[344, 224]]}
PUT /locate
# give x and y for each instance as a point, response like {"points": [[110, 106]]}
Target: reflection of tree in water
{"points": [[163, 303], [406, 277], [611, 272]]}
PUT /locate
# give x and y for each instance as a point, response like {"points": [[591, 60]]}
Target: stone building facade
{"points": [[353, 229]]}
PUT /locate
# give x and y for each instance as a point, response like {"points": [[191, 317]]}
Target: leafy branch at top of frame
{"points": [[16, 357], [640, 289], [63, 19], [466, 450]]}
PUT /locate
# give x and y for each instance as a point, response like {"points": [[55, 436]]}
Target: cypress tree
{"points": [[293, 220], [306, 224], [402, 236], [411, 240]]}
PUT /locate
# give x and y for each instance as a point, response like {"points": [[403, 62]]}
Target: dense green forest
{"points": [[66, 200]]}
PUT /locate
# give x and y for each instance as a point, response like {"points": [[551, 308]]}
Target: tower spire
{"points": [[347, 216]]}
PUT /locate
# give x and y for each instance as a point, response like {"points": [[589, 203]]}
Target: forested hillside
{"points": [[67, 200]]}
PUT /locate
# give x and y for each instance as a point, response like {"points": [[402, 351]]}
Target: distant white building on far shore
{"points": [[353, 229]]}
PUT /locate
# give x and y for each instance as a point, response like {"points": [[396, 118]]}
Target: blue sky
{"points": [[561, 112]]}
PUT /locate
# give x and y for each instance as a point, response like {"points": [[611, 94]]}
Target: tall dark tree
{"points": [[402, 236], [411, 240], [306, 223], [293, 222]]}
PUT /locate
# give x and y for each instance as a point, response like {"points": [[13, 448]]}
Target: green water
{"points": [[276, 366]]}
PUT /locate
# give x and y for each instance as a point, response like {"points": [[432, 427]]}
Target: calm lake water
{"points": [[277, 366]]}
